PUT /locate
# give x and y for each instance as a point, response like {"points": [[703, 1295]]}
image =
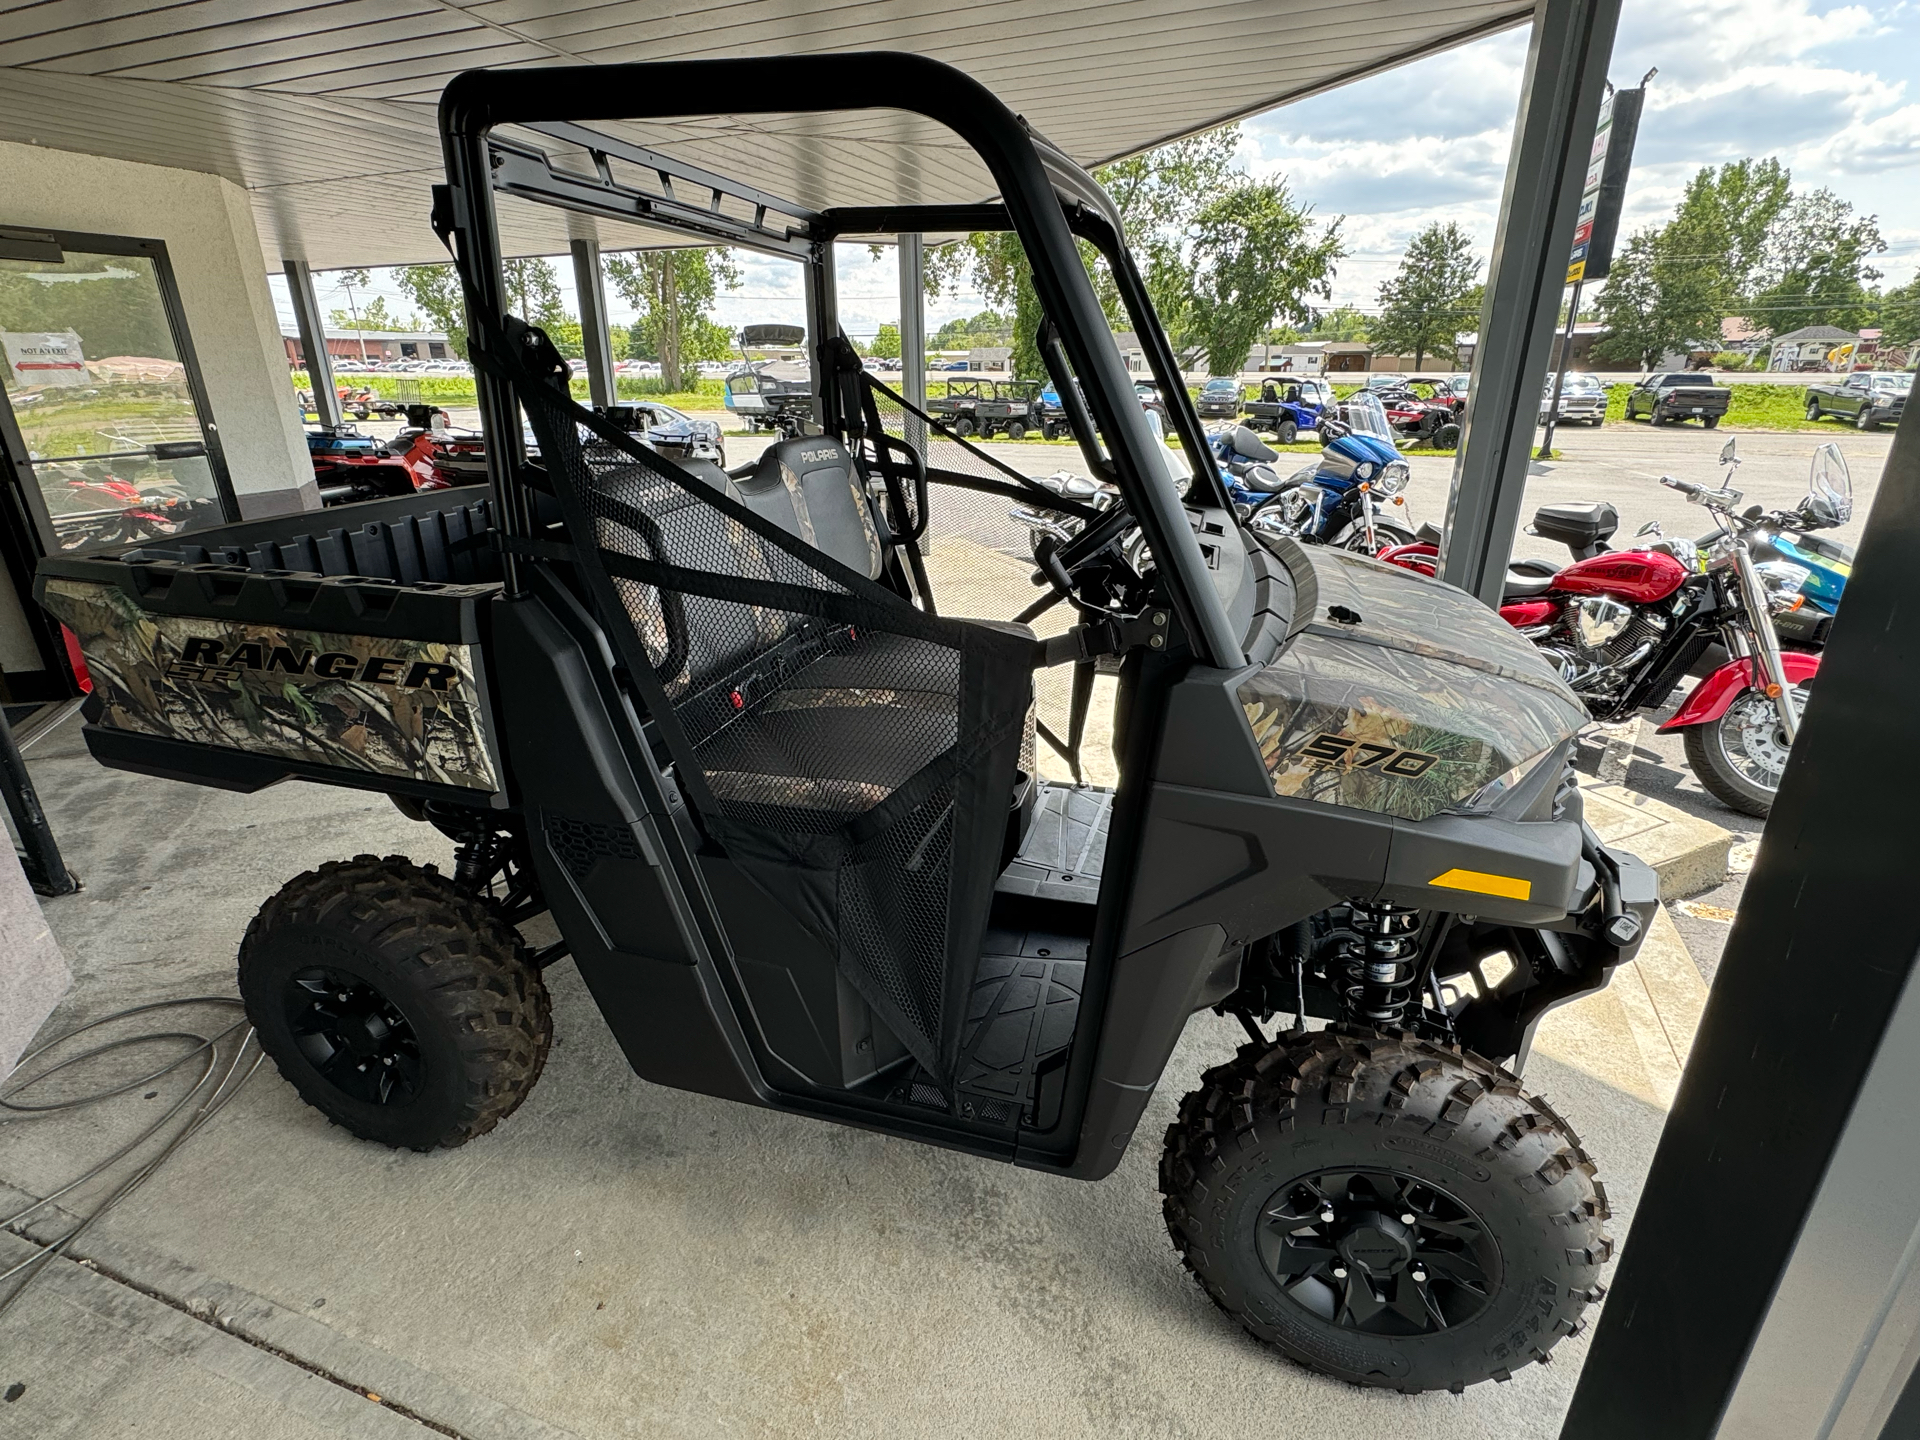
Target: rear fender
{"points": [[1712, 696]]}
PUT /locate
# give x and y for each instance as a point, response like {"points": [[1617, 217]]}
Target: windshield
{"points": [[1364, 415], [1829, 482], [1893, 382], [1221, 387]]}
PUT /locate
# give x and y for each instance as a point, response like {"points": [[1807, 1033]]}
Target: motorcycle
{"points": [[1782, 537], [1338, 500], [1246, 465], [1626, 626]]}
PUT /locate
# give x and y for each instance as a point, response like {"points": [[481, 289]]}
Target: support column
{"points": [[313, 343], [1560, 98], [913, 334], [594, 338]]}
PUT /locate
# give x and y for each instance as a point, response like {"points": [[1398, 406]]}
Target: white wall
{"points": [[221, 271]]}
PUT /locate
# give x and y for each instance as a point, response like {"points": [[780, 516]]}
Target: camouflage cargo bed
{"points": [[294, 648]]}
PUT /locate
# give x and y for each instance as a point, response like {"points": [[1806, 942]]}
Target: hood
{"points": [[1397, 693]]}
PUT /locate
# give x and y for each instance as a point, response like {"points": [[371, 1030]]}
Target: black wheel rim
{"points": [[1378, 1252], [356, 1039]]}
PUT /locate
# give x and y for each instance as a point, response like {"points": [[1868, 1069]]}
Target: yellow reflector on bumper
{"points": [[1481, 883]]}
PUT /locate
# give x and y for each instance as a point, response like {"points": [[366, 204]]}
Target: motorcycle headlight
{"points": [[1393, 477], [1782, 578]]}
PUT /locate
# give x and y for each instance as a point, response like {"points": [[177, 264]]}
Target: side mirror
{"points": [[1652, 527], [1730, 453]]}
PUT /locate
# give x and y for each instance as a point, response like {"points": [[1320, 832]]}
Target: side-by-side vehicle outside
{"points": [[785, 808]]}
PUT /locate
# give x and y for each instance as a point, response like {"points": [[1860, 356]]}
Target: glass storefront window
{"points": [[104, 405]]}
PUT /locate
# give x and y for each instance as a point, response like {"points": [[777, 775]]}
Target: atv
{"points": [[784, 811]]}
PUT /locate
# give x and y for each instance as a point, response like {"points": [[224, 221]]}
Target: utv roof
{"points": [[245, 92]]}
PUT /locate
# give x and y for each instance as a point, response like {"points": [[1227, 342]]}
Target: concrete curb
{"points": [[1687, 853]]}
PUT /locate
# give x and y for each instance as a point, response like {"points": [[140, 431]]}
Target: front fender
{"points": [[1712, 696]]}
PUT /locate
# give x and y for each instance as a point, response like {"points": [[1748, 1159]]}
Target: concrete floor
{"points": [[619, 1259]]}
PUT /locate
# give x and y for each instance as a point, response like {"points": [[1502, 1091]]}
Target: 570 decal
{"points": [[1351, 754]]}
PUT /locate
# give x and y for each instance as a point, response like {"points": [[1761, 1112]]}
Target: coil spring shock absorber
{"points": [[1382, 963]]}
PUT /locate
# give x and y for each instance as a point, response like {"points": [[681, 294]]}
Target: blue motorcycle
{"points": [[1353, 496]]}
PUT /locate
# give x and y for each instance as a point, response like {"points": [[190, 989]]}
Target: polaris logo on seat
{"points": [[209, 661], [813, 457]]}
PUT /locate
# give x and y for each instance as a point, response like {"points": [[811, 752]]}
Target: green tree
{"points": [[886, 342], [989, 327], [1254, 258], [1159, 194], [1816, 266], [1343, 323], [372, 316], [436, 290], [1900, 315], [1666, 291], [672, 291], [1424, 306], [533, 291]]}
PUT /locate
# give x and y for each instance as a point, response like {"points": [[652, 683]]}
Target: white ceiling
{"points": [[324, 113]]}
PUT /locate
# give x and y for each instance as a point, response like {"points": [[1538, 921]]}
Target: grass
{"points": [[1756, 406]]}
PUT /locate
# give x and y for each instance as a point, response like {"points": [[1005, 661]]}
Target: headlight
{"points": [[1489, 795], [1393, 477], [1782, 580]]}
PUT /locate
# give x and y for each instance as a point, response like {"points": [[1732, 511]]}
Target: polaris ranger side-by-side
{"points": [[783, 804]]}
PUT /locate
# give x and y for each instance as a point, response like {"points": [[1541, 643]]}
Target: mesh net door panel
{"points": [[852, 754]]}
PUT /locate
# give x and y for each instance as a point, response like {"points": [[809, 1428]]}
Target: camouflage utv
{"points": [[787, 811]]}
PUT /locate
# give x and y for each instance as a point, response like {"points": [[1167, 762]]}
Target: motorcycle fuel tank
{"points": [[1398, 694], [1638, 576]]}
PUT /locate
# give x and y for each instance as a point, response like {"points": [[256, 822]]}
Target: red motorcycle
{"points": [[1625, 627]]}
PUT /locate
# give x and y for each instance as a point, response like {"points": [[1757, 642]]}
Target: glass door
{"points": [[105, 423]]}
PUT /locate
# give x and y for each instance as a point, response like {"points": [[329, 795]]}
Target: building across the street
{"points": [[375, 346], [1807, 347]]}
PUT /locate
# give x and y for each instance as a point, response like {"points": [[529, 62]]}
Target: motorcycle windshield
{"points": [[1830, 485], [1365, 415]]}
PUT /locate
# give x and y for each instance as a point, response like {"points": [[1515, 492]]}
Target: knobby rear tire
{"points": [[476, 1006]]}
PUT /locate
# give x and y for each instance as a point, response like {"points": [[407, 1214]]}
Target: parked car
{"points": [[1458, 384], [1664, 399], [1866, 397], [1219, 399], [1582, 398], [1383, 382]]}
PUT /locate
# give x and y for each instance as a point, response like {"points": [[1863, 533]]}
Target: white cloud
{"points": [[1822, 87]]}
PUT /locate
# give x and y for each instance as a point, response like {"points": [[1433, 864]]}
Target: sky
{"points": [[1832, 90]]}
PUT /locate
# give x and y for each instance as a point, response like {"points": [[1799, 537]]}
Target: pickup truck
{"points": [[1682, 395], [1296, 406], [1867, 397]]}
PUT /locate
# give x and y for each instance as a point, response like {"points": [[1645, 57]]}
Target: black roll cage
{"points": [[1047, 200]]}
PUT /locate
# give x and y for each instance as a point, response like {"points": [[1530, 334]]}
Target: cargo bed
{"points": [[341, 645]]}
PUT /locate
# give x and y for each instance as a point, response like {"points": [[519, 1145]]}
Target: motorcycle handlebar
{"points": [[1685, 487]]}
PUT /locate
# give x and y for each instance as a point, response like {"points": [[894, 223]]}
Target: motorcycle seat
{"points": [[1250, 446], [1525, 585]]}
